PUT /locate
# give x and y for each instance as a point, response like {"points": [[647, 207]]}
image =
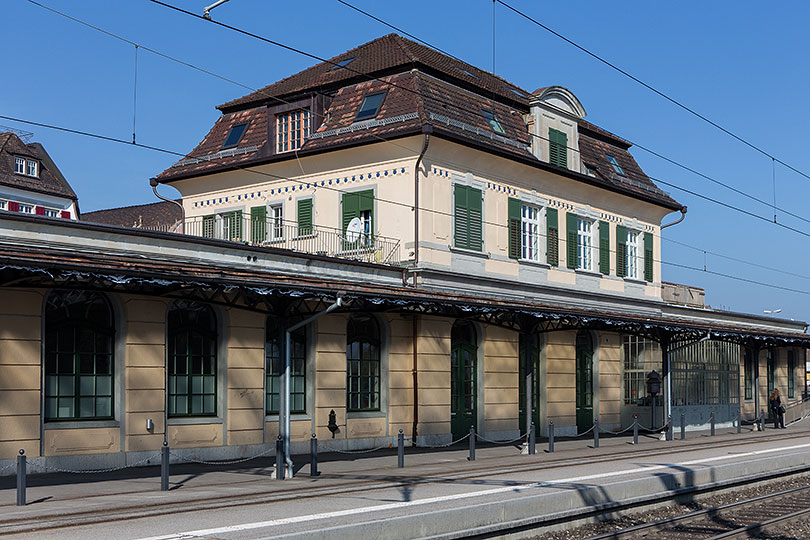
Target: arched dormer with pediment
{"points": [[554, 114]]}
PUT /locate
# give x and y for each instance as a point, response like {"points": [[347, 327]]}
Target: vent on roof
{"points": [[461, 69], [516, 91], [342, 63]]}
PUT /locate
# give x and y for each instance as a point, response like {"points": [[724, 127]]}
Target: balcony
{"points": [[282, 234]]}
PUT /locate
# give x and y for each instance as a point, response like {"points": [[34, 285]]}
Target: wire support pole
{"points": [[135, 94]]}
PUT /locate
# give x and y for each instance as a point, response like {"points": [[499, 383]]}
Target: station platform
{"points": [[438, 494]]}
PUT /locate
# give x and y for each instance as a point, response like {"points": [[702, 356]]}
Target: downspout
{"points": [[427, 129], [415, 380], [285, 383], [154, 183], [683, 216]]}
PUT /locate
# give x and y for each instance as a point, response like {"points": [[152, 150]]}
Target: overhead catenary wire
{"points": [[280, 100], [655, 90], [289, 179]]}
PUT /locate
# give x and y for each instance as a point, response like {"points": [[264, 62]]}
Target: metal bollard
{"points": [[313, 456], [279, 459], [164, 467], [472, 444], [635, 429], [711, 419], [739, 423], [21, 483], [596, 433], [669, 427], [761, 420], [683, 426], [401, 450], [551, 436], [531, 439]]}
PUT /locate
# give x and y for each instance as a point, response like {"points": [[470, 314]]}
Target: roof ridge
{"points": [[129, 206]]}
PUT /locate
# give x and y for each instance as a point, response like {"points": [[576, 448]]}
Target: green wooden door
{"points": [[463, 381], [528, 345], [584, 381]]}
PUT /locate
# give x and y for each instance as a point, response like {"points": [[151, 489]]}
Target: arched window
{"points": [[274, 363], [78, 356], [192, 348], [363, 364]]}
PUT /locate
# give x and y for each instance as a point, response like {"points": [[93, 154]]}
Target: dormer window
{"points": [[493, 122], [342, 63], [234, 135], [292, 129], [28, 167], [371, 106], [615, 164]]}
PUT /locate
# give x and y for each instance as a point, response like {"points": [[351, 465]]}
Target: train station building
{"points": [[461, 252]]}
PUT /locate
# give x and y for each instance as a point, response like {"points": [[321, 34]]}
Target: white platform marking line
{"points": [[431, 500]]}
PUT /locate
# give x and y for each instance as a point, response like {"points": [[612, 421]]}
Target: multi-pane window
{"points": [[192, 345], [493, 121], [584, 244], [276, 225], [49, 212], [28, 167], [530, 232], [791, 374], [749, 374], [770, 363], [633, 255], [31, 167], [358, 205], [19, 165], [363, 364], [641, 357], [78, 356], [2, 205], [292, 129], [25, 208], [274, 365], [705, 373], [615, 164]]}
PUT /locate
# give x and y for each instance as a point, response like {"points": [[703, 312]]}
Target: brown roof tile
{"points": [[50, 180], [157, 215]]}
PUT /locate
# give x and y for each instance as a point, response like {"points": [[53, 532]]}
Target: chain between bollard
{"points": [[224, 462], [97, 471], [481, 438], [443, 445]]}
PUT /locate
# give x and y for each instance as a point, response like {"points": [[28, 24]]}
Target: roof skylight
{"points": [[342, 63], [466, 72], [615, 164], [235, 135], [371, 106], [493, 122]]}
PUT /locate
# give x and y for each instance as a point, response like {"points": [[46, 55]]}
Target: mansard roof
{"points": [[424, 90], [49, 179]]}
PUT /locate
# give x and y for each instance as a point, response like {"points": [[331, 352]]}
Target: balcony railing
{"points": [[282, 234]]}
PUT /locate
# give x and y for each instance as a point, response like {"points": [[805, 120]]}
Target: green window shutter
{"points": [[304, 217], [621, 251], [552, 237], [557, 148], [351, 209], [514, 228], [208, 226], [604, 247], [258, 224], [571, 240], [648, 257], [236, 225], [461, 226], [475, 203]]}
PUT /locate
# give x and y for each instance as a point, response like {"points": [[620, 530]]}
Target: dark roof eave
{"points": [[534, 162], [52, 193]]}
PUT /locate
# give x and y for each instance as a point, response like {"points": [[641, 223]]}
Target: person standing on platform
{"points": [[777, 409]]}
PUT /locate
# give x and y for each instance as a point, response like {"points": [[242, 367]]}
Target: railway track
{"points": [[752, 518]]}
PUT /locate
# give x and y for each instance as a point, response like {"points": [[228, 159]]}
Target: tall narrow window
{"points": [[276, 225], [292, 129], [468, 218], [78, 356], [557, 148], [633, 252], [791, 374], [749, 374], [19, 165], [530, 232], [274, 362], [363, 364], [641, 356], [770, 363], [304, 217], [192, 351]]}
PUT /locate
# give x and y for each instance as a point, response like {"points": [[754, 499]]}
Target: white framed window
{"points": [[366, 240], [26, 208], [19, 165], [292, 130], [275, 213], [530, 231], [632, 264], [3, 205], [32, 167], [49, 212], [585, 244]]}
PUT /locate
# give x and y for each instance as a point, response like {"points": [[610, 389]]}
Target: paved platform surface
{"points": [[367, 496]]}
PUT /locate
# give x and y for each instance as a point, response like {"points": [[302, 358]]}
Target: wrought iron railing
{"points": [[303, 238]]}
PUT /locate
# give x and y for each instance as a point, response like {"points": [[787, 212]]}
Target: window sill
{"points": [[365, 414], [590, 273], [293, 417], [79, 424], [529, 262], [194, 420], [635, 281], [464, 251]]}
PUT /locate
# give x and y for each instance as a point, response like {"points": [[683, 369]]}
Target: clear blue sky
{"points": [[740, 63]]}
